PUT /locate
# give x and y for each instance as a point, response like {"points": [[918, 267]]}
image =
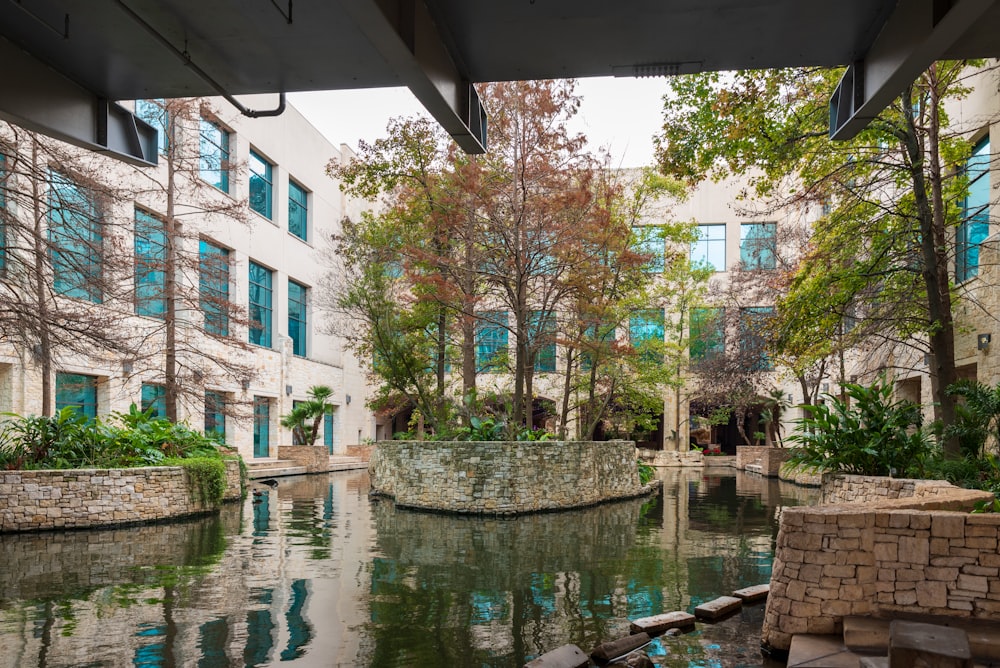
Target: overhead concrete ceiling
{"points": [[126, 49]]}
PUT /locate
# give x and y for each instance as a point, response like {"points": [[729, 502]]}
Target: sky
{"points": [[621, 115]]}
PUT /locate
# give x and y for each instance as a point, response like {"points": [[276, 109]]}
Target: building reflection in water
{"points": [[313, 571]]}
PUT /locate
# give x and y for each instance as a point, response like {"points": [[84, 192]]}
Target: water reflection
{"points": [[313, 573]]}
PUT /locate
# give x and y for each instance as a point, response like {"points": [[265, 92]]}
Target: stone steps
{"points": [[276, 468]]}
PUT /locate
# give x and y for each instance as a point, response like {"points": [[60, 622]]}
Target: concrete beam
{"points": [[39, 99], [917, 33], [406, 36]]}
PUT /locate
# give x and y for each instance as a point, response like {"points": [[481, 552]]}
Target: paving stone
{"points": [[866, 634], [720, 607], [660, 623], [567, 656], [820, 651], [613, 649], [753, 594], [928, 645]]}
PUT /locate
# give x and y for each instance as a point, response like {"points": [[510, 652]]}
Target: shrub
{"points": [[206, 478], [646, 472], [869, 435]]}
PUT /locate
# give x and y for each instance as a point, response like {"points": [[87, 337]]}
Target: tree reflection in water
{"points": [[314, 571]]}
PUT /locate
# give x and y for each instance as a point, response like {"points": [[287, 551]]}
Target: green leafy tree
{"points": [[306, 416], [881, 255]]}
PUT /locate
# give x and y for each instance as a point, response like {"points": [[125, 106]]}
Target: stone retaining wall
{"points": [[670, 458], [83, 498], [839, 488], [316, 458], [768, 458], [922, 553], [503, 478]]}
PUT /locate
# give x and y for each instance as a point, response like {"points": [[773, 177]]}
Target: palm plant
{"points": [[306, 416], [977, 418]]}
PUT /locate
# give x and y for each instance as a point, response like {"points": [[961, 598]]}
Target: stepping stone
{"points": [[660, 623], [718, 608], [930, 645], [605, 652], [753, 594], [816, 651], [567, 656], [866, 634]]}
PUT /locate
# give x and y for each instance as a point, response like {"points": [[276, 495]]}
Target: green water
{"points": [[313, 573]]}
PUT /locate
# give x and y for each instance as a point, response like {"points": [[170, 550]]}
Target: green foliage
{"points": [[866, 435], [206, 478], [71, 440], [977, 418], [646, 472], [969, 472], [306, 416]]}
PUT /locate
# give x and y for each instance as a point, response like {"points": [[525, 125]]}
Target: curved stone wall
{"points": [[503, 477], [901, 546], [84, 498]]}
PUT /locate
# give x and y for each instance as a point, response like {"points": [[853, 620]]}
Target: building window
{"points": [[261, 426], [645, 331], [649, 241], [261, 309], [753, 336], [298, 211], [261, 185], [215, 415], [155, 397], [708, 335], [975, 225], [710, 248], [213, 287], [491, 341], [598, 339], [297, 323], [214, 155], [154, 112], [150, 264], [77, 391], [758, 243], [542, 329], [3, 213], [76, 240], [329, 428]]}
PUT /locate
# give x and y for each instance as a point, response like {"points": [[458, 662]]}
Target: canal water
{"points": [[314, 573]]}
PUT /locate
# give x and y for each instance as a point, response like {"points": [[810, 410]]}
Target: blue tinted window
{"points": [[261, 426], [542, 329], [76, 240], [491, 341], [975, 225], [707, 339], [154, 396], [215, 415], [213, 284], [261, 187], [260, 306], [645, 331], [150, 261], [154, 112], [297, 325], [710, 248], [649, 241], [754, 321], [757, 245], [78, 391], [214, 155], [298, 211]]}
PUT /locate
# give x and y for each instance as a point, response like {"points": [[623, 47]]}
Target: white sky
{"points": [[619, 114]]}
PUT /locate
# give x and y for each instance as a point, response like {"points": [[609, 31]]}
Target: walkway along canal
{"points": [[315, 573]]}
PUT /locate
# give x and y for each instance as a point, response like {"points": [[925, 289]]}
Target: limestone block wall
{"points": [[501, 478], [82, 498], [838, 488], [923, 553], [671, 458], [768, 458], [314, 457]]}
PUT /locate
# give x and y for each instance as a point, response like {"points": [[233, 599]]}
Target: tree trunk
{"points": [[170, 296], [567, 394], [43, 352]]}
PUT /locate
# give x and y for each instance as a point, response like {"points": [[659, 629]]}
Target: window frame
{"points": [[89, 386], [975, 224], [154, 113], [294, 206], [216, 315], [699, 258], [300, 340], [492, 340], [149, 284], [265, 333], [222, 154], [758, 256], [155, 395], [76, 240], [261, 426], [267, 179]]}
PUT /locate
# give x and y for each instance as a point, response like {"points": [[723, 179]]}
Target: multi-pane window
{"points": [[155, 397], [542, 328], [757, 245], [260, 305], [491, 341], [261, 185], [150, 265], [975, 225], [297, 329], [649, 242], [261, 426], [213, 149], [215, 415], [708, 338], [154, 112], [213, 287], [753, 336], [710, 248], [298, 211], [645, 331], [78, 391], [76, 240], [598, 339]]}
